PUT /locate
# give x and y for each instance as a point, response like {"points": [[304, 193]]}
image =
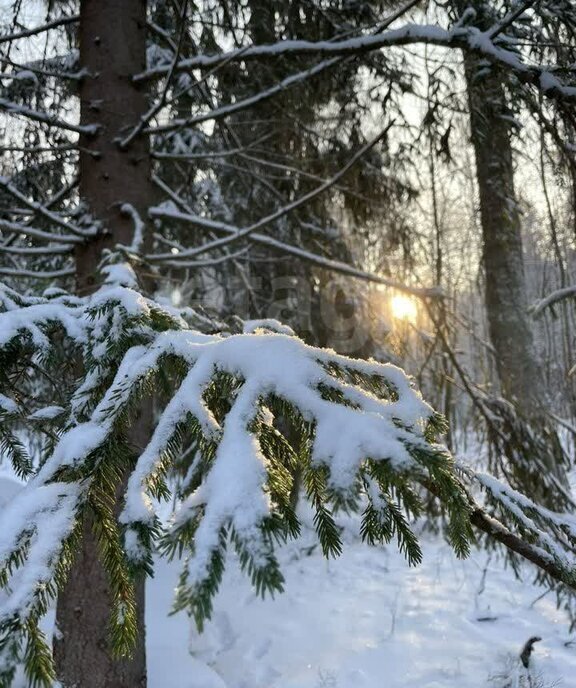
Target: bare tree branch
{"points": [[277, 214], [159, 104], [288, 249]]}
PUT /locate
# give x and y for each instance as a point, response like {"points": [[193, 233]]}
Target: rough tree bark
{"points": [[112, 42], [531, 444], [505, 290]]}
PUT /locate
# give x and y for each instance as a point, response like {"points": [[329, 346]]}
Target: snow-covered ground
{"points": [[365, 620]]}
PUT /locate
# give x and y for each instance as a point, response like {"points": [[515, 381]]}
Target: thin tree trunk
{"points": [[112, 49]]}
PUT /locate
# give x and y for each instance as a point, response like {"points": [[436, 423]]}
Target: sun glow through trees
{"points": [[403, 308]]}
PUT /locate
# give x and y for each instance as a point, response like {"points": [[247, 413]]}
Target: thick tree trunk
{"points": [[112, 49], [536, 461], [506, 301]]}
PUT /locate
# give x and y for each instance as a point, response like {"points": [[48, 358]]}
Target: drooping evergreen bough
{"points": [[251, 409]]}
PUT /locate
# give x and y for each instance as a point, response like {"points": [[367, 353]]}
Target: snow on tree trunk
{"points": [[112, 48]]}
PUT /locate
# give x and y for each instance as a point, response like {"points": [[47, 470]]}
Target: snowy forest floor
{"points": [[365, 620]]}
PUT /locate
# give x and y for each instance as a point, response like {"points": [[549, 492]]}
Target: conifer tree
{"points": [[80, 366]]}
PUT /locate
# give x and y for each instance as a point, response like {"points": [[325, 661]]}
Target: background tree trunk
{"points": [[112, 48], [505, 289], [535, 456]]}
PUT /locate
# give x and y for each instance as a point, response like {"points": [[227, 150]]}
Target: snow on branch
{"points": [[357, 424], [544, 537], [257, 409], [17, 109], [510, 18], [27, 230], [260, 97], [538, 308], [35, 250], [266, 94], [467, 38], [37, 274], [43, 210], [138, 237], [534, 518], [26, 33]]}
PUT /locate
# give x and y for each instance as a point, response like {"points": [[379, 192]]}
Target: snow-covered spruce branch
{"points": [[26, 33], [360, 427], [544, 537], [257, 408], [467, 38], [534, 518], [561, 569]]}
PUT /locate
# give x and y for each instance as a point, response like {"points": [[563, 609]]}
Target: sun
{"points": [[403, 308]]}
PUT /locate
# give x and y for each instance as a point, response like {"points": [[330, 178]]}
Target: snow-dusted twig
{"points": [[70, 76], [548, 301], [26, 33], [41, 209], [28, 230], [17, 109], [38, 274], [36, 250], [510, 18], [165, 155]]}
